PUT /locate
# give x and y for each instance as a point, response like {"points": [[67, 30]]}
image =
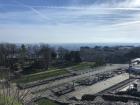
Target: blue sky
{"points": [[70, 21]]}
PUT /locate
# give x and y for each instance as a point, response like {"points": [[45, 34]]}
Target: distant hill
{"points": [[76, 46]]}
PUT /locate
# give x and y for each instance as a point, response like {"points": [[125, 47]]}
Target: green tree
{"points": [[45, 54]]}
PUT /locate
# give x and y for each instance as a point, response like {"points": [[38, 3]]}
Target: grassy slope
{"points": [[83, 65], [45, 102], [53, 73], [9, 101], [42, 75]]}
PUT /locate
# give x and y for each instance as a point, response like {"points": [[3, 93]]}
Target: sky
{"points": [[70, 21]]}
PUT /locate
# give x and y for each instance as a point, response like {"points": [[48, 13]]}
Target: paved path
{"points": [[100, 86]]}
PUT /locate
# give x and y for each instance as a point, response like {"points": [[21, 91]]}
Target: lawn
{"points": [[41, 76], [8, 101], [45, 101], [83, 65], [53, 72]]}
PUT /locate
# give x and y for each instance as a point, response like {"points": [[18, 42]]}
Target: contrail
{"points": [[33, 9], [126, 23], [37, 12], [108, 8], [135, 9]]}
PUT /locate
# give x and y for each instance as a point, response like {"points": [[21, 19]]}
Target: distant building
{"points": [[135, 65]]}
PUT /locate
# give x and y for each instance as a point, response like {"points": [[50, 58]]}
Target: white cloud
{"points": [[130, 4], [103, 23]]}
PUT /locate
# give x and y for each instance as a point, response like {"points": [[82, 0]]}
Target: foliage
{"points": [[42, 75], [116, 54], [83, 65], [8, 101], [9, 93], [73, 56], [45, 101], [29, 58]]}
